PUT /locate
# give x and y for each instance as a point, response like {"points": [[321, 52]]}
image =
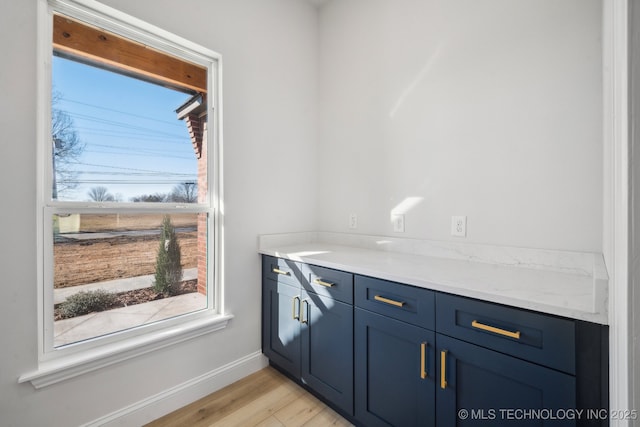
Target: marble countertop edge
{"points": [[565, 291]]}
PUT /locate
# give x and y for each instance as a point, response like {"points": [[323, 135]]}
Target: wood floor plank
{"points": [[261, 408], [270, 422], [264, 399], [217, 405], [300, 411], [327, 417]]}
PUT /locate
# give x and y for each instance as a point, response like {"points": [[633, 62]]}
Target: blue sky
{"points": [[134, 143]]}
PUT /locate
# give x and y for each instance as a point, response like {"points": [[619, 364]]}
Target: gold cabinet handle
{"points": [[278, 271], [443, 369], [293, 309], [423, 357], [495, 330], [323, 283], [389, 301], [302, 314]]}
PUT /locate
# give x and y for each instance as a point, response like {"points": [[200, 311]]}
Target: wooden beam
{"points": [[96, 45]]}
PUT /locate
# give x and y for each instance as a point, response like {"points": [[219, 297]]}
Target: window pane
{"points": [[118, 138], [113, 272]]}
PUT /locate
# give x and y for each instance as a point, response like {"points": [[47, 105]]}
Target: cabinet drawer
{"points": [[328, 282], [281, 270], [403, 302], [539, 338]]}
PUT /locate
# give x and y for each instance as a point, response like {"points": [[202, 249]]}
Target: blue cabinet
{"points": [[307, 328], [501, 365], [327, 349], [397, 301], [395, 354], [395, 372], [281, 325], [487, 364], [388, 354], [481, 387], [536, 337]]}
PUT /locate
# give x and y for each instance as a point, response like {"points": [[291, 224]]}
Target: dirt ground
{"points": [[80, 259], [97, 260]]}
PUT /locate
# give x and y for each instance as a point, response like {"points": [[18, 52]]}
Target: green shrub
{"points": [[86, 302], [168, 266]]}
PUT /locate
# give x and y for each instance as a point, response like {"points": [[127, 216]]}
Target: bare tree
{"points": [[101, 194], [150, 198], [67, 148], [185, 192]]}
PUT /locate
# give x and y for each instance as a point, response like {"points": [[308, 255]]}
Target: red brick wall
{"points": [[195, 125], [202, 218]]}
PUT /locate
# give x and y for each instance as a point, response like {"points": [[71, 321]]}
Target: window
{"points": [[128, 145]]}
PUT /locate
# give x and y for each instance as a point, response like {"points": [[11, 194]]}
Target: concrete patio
{"points": [[93, 325]]}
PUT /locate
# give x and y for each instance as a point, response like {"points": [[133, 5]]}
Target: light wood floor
{"points": [[264, 399]]}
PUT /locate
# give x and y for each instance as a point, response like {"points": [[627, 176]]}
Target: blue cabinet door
{"points": [[327, 348], [281, 325], [481, 387], [394, 372]]}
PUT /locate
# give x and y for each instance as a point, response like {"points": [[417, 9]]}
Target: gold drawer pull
{"points": [[495, 330], [323, 283], [389, 301], [303, 318], [423, 356], [293, 309], [278, 271], [443, 369]]}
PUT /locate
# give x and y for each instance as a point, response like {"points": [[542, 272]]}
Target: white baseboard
{"points": [[154, 407]]}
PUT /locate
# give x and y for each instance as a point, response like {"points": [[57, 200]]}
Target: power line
{"points": [[116, 123], [119, 111], [140, 154], [132, 136], [117, 167], [121, 182], [135, 173], [135, 149]]}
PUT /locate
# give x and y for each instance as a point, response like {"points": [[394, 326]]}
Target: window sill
{"points": [[55, 371]]}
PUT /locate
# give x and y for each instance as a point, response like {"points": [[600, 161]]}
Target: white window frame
{"points": [[58, 364]]}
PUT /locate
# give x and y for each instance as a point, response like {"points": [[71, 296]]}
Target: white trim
{"points": [[62, 369], [616, 198], [43, 168], [58, 364], [215, 163], [156, 406]]}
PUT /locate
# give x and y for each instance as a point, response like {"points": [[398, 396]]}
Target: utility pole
{"points": [[57, 143]]}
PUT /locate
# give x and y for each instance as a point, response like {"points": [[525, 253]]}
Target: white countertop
{"points": [[569, 284]]}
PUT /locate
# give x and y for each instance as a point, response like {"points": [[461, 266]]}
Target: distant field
{"points": [[112, 222]]}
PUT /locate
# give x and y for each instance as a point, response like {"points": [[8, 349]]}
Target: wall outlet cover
{"points": [[398, 223], [459, 226], [353, 221]]}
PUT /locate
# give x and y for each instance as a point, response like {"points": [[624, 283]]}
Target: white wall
{"points": [[269, 53], [634, 203], [488, 109]]}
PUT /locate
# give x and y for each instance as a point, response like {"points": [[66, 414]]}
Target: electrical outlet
{"points": [[353, 221], [459, 226], [398, 223]]}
